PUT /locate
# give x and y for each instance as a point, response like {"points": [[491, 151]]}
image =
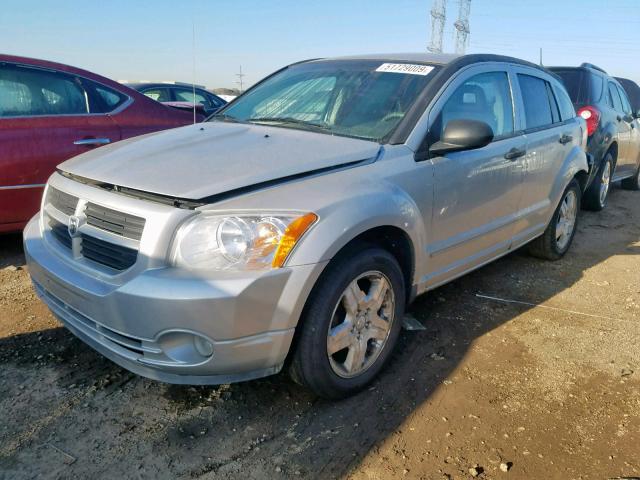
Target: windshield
{"points": [[361, 99]]}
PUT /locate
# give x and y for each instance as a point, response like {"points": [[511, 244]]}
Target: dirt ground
{"points": [[489, 386]]}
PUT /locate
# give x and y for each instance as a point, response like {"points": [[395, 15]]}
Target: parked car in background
{"points": [[306, 215], [633, 92], [51, 112], [613, 128], [181, 95]]}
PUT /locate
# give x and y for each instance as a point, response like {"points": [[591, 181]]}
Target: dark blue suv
{"points": [[612, 126]]}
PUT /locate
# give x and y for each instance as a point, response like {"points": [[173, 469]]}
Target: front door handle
{"points": [[564, 139], [515, 153], [92, 141]]}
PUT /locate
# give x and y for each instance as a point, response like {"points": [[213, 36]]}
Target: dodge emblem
{"points": [[73, 226]]}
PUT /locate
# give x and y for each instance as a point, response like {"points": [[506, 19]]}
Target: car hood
{"points": [[211, 158]]}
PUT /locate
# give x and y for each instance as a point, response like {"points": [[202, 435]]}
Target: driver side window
{"points": [[485, 97]]}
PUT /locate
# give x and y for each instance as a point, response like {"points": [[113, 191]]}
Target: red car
{"points": [[50, 112]]}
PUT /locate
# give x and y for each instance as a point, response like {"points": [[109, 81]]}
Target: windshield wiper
{"points": [[224, 117], [289, 121]]}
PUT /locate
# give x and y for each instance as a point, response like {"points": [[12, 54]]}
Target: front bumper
{"points": [[151, 323]]}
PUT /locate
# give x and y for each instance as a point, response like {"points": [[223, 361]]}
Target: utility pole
{"points": [[240, 82], [462, 27], [438, 18]]}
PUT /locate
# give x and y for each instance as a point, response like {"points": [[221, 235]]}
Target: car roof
{"points": [[585, 67], [138, 85], [61, 67], [35, 62], [444, 59], [433, 58]]}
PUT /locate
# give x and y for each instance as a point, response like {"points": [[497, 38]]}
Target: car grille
{"points": [[60, 233], [110, 254], [106, 250], [62, 201], [123, 224]]}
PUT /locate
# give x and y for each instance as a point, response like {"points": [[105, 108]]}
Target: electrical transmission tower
{"points": [[240, 82], [438, 18], [462, 27]]}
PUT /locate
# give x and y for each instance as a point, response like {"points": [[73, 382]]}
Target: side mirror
{"points": [[462, 135]]}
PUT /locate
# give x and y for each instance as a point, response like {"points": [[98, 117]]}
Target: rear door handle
{"points": [[515, 153], [564, 139], [92, 141]]}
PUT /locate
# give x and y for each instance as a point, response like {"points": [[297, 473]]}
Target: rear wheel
{"points": [[350, 324], [632, 183], [595, 198], [557, 238]]}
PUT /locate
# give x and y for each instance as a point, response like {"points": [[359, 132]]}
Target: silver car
{"points": [[295, 226]]}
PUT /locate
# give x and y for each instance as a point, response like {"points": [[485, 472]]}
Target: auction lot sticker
{"points": [[410, 68]]}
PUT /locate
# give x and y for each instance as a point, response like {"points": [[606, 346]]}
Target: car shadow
{"points": [[11, 250], [66, 398]]}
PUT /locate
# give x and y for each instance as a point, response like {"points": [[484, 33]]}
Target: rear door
{"points": [[46, 117], [550, 138], [633, 146], [476, 192], [624, 130]]}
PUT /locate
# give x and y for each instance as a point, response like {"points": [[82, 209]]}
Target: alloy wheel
{"points": [[566, 219], [360, 324], [605, 182]]}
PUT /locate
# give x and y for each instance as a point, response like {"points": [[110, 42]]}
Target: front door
{"points": [[45, 119], [476, 192]]}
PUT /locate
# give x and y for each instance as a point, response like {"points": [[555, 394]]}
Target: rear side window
{"points": [[538, 101], [626, 106], [35, 92], [614, 98], [564, 103], [485, 97]]}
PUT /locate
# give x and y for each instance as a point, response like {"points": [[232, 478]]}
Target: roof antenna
{"points": [[541, 56], [193, 79]]}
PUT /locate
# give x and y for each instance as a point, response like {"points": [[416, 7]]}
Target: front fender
{"points": [[362, 209]]}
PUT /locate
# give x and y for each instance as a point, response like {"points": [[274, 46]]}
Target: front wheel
{"points": [[350, 324], [557, 238]]}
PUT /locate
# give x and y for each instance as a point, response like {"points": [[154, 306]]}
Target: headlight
{"points": [[252, 241]]}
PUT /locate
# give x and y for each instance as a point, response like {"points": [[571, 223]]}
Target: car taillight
{"points": [[592, 116]]}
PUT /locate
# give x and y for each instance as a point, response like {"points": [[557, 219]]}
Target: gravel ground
{"points": [[489, 390]]}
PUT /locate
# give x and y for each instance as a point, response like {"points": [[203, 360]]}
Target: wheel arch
{"points": [[392, 239]]}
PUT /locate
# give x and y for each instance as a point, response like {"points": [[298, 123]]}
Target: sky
{"points": [[154, 40]]}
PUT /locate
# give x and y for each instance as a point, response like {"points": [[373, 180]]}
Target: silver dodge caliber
{"points": [[293, 227]]}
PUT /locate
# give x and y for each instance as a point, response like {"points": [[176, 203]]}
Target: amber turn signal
{"points": [[292, 234]]}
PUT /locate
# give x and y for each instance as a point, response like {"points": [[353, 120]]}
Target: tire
{"points": [[595, 198], [550, 245], [632, 183], [342, 374]]}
